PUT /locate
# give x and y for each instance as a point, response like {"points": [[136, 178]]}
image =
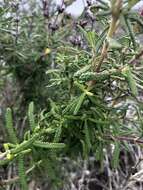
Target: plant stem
{"points": [[16, 178], [131, 139], [136, 58], [116, 8], [113, 27]]}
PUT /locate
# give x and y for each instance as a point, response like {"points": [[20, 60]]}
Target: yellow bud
{"points": [[47, 51], [9, 156], [88, 93], [5, 146], [125, 70]]}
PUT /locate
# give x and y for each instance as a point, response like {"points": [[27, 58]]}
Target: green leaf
{"points": [[99, 154], [87, 136], [58, 134], [131, 3], [131, 81], [79, 103], [115, 160], [84, 149], [31, 115], [21, 172], [129, 27], [49, 145], [101, 39], [82, 70], [10, 127], [90, 36], [114, 43]]}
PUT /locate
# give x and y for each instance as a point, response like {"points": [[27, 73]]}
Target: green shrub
{"points": [[90, 90]]}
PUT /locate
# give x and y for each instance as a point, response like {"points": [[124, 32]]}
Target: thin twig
{"points": [[131, 139], [113, 27], [16, 178], [136, 58], [116, 7]]}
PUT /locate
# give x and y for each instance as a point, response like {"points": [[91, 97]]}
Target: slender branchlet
{"points": [[116, 7]]}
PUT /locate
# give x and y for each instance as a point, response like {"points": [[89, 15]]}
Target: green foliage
{"points": [[131, 32], [131, 3], [9, 126], [17, 150], [21, 172], [13, 139], [86, 113], [79, 103], [49, 145], [115, 161], [86, 91], [132, 83], [31, 116]]}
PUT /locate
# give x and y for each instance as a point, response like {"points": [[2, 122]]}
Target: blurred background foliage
{"points": [[49, 56]]}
